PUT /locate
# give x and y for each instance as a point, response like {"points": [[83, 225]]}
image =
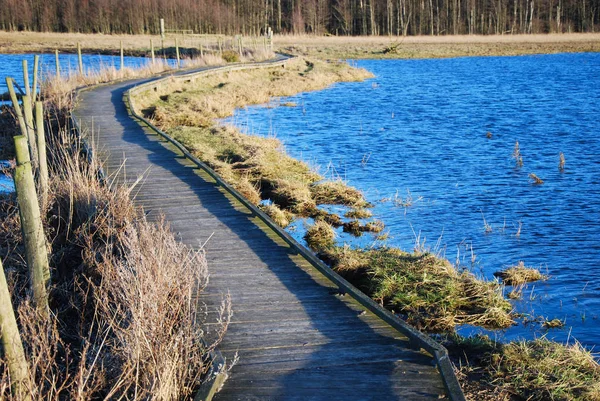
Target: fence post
{"points": [[57, 64], [11, 342], [16, 106], [41, 147], [152, 50], [79, 58], [36, 65], [28, 112], [177, 52], [162, 28], [33, 230], [26, 78], [122, 59]]}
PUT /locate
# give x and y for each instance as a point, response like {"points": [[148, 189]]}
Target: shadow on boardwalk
{"points": [[297, 338]]}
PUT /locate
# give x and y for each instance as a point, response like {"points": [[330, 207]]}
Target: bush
{"points": [[231, 56]]}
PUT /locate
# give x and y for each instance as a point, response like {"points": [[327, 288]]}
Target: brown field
{"points": [[437, 46], [317, 46]]}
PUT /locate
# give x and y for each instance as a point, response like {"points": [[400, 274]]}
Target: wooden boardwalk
{"points": [[296, 337]]}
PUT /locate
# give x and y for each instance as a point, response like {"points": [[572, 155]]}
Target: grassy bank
{"points": [[426, 289], [257, 167], [125, 319], [536, 370]]}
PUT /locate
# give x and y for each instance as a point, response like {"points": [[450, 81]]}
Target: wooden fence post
{"points": [[201, 49], [26, 78], [122, 58], [11, 342], [80, 59], [28, 112], [41, 147], [152, 50], [33, 230], [16, 106], [177, 52], [57, 64], [36, 66], [220, 46], [162, 28]]}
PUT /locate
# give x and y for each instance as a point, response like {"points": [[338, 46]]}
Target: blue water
{"points": [[418, 130], [11, 65]]}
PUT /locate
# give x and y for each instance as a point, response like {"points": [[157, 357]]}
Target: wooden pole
{"points": [[28, 112], [12, 344], [16, 106], [57, 64], [26, 78], [41, 147], [240, 46], [122, 58], [79, 58], [33, 230], [152, 50], [177, 52], [220, 46], [36, 66], [201, 49], [162, 28]]}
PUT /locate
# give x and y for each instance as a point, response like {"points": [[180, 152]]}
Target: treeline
{"points": [[336, 17]]}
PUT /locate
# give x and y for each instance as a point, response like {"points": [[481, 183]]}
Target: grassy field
{"points": [[317, 46], [437, 46]]}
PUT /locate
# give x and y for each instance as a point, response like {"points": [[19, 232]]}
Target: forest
{"points": [[320, 17]]}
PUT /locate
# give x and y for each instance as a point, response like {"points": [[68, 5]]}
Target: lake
{"points": [[12, 65], [415, 140]]}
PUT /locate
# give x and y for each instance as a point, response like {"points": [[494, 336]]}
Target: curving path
{"points": [[297, 338]]}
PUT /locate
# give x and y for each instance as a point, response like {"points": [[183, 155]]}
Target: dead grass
{"points": [[133, 45], [344, 47], [125, 321], [320, 235], [537, 370], [535, 179], [520, 274], [258, 167], [358, 213], [282, 218]]}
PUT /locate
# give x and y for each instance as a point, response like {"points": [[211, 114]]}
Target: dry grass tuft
{"points": [[553, 324], [358, 213], [337, 193], [281, 217], [561, 162], [536, 180], [517, 155], [520, 274], [320, 235]]}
